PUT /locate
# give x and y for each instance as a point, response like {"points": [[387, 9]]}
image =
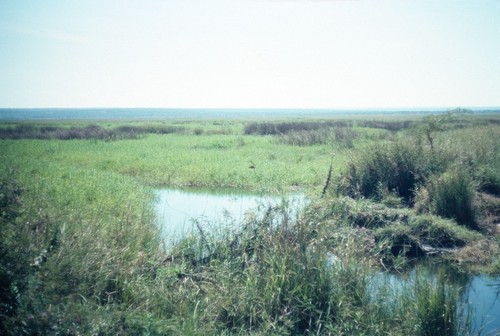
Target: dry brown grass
{"points": [[488, 212], [480, 252]]}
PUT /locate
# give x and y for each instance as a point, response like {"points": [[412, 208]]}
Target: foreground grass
{"points": [[81, 253]]}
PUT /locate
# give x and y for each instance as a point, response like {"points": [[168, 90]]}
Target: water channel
{"points": [[179, 209]]}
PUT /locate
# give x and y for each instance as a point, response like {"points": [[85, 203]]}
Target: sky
{"points": [[250, 53]]}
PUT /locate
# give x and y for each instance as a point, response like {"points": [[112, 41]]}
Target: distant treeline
{"points": [[88, 132]]}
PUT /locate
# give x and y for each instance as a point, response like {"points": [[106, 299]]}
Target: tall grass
{"points": [[436, 306], [27, 131], [81, 253], [282, 127], [452, 195], [188, 160], [277, 274], [397, 167], [80, 241]]}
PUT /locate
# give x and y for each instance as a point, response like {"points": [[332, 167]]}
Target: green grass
{"points": [[81, 253], [250, 162]]}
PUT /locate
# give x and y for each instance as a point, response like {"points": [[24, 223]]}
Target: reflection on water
{"points": [[178, 209], [479, 294], [483, 296]]}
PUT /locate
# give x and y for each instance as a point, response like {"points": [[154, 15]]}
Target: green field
{"points": [[81, 253]]}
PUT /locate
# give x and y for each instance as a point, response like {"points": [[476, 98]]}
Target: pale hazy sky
{"points": [[250, 53]]}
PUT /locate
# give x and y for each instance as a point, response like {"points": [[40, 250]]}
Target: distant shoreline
{"points": [[209, 113]]}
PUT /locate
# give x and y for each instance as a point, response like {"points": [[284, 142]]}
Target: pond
{"points": [[178, 210]]}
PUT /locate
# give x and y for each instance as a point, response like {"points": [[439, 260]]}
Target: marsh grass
{"points": [[284, 127], [81, 253], [396, 167], [77, 242], [452, 195], [342, 137], [27, 131]]}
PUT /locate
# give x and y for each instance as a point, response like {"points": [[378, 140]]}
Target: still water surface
{"points": [[179, 209]]}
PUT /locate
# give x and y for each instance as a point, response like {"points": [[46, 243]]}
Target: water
{"points": [[180, 209], [483, 297], [480, 294], [202, 113]]}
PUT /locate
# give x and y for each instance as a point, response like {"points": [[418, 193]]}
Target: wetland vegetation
{"points": [[81, 252]]}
